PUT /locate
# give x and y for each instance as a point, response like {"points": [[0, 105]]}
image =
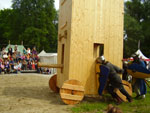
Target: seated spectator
{"points": [[11, 63], [23, 57], [24, 51], [7, 67], [1, 60], [0, 68], [34, 52], [48, 71], [28, 57], [29, 65], [24, 65], [28, 51], [33, 65], [17, 67], [5, 55], [36, 57], [3, 66], [9, 56], [36, 64], [14, 57], [18, 56]]}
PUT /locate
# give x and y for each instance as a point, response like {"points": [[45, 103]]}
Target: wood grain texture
{"points": [[50, 65], [89, 22], [72, 92], [53, 84]]}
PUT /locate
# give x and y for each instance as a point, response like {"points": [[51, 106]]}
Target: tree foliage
{"points": [[5, 25], [31, 21], [137, 26]]}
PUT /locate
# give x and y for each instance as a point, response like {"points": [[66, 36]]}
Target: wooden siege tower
{"points": [[87, 29]]}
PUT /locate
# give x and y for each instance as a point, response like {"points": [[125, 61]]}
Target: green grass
{"points": [[93, 105]]}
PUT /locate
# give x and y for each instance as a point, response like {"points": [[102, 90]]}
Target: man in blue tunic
{"points": [[139, 85]]}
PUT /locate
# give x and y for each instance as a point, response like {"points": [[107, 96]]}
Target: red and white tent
{"points": [[141, 55]]}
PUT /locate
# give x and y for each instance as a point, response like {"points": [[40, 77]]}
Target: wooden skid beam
{"points": [[50, 65]]}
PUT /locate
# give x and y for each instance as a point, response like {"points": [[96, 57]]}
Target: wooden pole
{"points": [[50, 65]]}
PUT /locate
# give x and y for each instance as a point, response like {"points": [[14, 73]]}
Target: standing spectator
{"points": [[15, 49], [10, 51]]}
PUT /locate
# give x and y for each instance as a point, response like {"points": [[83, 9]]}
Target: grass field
{"points": [[93, 105]]}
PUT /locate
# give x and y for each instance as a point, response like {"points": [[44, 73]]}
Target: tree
{"points": [[34, 25], [137, 21], [5, 26]]}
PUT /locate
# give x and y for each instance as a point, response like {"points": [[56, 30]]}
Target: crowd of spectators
{"points": [[14, 61]]}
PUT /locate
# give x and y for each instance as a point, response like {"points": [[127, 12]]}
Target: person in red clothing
{"points": [[33, 65]]}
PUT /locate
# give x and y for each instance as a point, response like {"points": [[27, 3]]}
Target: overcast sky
{"points": [[7, 4]]}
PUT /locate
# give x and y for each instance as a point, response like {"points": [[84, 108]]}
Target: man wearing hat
{"points": [[114, 80]]}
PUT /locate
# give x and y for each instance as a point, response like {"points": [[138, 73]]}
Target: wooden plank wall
{"points": [[65, 13], [91, 21], [84, 34]]}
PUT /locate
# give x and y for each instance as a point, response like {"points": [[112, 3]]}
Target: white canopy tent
{"points": [[49, 58], [42, 53], [141, 55]]}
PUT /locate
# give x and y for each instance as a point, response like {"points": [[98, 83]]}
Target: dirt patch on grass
{"points": [[29, 93]]}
